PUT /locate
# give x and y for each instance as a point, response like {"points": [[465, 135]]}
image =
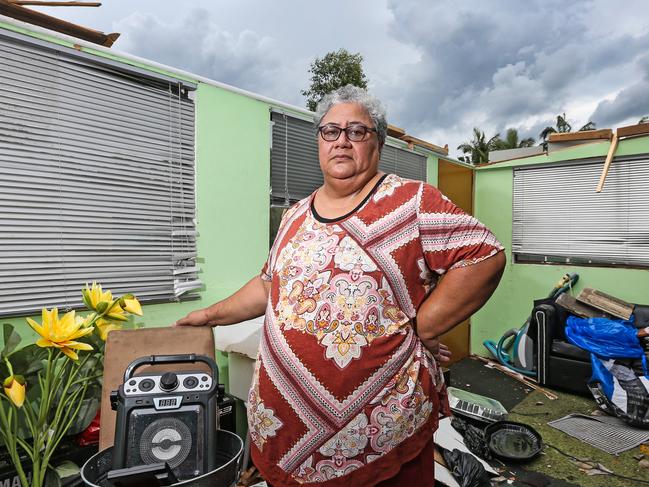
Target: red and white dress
{"points": [[344, 393]]}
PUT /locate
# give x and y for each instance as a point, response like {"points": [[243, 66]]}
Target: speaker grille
{"points": [[166, 440], [175, 437]]}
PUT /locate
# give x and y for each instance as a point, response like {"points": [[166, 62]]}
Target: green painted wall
{"points": [[432, 169], [511, 304]]}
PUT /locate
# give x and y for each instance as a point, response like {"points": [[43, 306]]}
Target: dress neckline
{"points": [[322, 219]]}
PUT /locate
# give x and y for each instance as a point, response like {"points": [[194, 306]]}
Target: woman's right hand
{"points": [[195, 318]]}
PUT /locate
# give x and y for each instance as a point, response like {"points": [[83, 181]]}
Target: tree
{"points": [[562, 126], [644, 119], [478, 148], [335, 69], [511, 141]]}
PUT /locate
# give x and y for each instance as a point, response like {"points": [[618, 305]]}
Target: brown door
{"points": [[456, 182]]}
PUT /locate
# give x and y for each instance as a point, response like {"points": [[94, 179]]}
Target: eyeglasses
{"points": [[355, 132]]}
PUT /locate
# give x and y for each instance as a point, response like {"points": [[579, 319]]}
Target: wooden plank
{"points": [[396, 132], [55, 4], [629, 130], [607, 303], [585, 135], [37, 18], [607, 163], [582, 310], [414, 140]]}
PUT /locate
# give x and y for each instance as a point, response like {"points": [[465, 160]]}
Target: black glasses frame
{"points": [[346, 130]]}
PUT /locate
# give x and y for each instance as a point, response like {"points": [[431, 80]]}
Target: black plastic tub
{"points": [[229, 450]]}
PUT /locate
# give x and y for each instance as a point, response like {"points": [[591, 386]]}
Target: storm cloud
{"points": [[440, 67]]}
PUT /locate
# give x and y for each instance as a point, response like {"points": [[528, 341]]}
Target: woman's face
{"points": [[342, 159]]}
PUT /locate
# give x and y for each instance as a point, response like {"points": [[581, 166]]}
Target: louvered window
{"points": [[96, 179], [295, 170], [558, 216]]}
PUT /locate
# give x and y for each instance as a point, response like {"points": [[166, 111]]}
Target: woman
{"points": [[346, 391]]}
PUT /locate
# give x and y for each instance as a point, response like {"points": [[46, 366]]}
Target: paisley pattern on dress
{"points": [[346, 380]]}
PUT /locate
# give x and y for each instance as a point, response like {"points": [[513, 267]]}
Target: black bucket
{"points": [[228, 452]]}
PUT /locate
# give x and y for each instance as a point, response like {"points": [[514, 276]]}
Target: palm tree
{"points": [[511, 141], [562, 126], [478, 147]]}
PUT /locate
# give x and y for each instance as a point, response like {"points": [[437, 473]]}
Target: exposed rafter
{"points": [[15, 11], [54, 4]]}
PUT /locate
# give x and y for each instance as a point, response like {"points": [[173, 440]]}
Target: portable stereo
{"points": [[167, 417]]}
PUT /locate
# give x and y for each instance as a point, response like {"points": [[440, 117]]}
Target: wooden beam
{"points": [[37, 18], [629, 130], [585, 135], [55, 4], [577, 308], [395, 132], [422, 143], [605, 302], [607, 163]]}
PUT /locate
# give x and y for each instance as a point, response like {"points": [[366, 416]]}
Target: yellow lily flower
{"points": [[132, 305], [116, 312], [105, 326], [14, 387], [61, 334], [94, 295]]}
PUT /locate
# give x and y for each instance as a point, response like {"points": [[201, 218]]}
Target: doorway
{"points": [[456, 182]]}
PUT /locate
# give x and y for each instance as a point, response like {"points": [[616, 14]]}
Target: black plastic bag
{"points": [[467, 470], [474, 438]]}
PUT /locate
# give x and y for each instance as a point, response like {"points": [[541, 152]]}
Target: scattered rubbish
{"points": [[590, 467], [466, 468], [475, 406], [638, 457], [539, 403], [515, 375], [513, 441], [448, 438], [474, 438], [606, 433], [644, 449], [644, 463], [620, 386]]}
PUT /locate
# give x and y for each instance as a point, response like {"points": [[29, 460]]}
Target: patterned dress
{"points": [[344, 392]]}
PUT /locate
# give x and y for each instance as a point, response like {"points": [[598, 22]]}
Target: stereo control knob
{"points": [[168, 381]]}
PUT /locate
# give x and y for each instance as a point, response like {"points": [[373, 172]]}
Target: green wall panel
{"points": [[511, 304]]}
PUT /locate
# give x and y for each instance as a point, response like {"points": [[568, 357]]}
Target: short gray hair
{"points": [[354, 94]]}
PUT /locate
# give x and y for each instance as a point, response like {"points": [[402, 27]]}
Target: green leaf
{"points": [[11, 340]]}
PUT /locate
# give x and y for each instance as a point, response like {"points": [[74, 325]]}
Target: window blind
{"points": [[402, 162], [295, 170], [558, 217], [96, 181]]}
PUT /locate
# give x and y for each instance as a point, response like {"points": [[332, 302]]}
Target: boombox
{"points": [[167, 418]]}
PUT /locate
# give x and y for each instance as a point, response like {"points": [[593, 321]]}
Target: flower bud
{"points": [[132, 305], [14, 387]]}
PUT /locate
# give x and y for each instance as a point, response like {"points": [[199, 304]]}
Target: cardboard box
{"points": [[124, 346]]}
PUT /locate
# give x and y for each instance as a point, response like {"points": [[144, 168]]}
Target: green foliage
{"points": [[562, 127], [644, 119], [512, 141], [477, 149], [335, 69]]}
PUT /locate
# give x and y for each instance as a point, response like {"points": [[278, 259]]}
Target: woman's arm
{"points": [[248, 302], [459, 294]]}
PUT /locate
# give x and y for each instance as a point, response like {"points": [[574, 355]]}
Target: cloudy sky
{"points": [[441, 67]]}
